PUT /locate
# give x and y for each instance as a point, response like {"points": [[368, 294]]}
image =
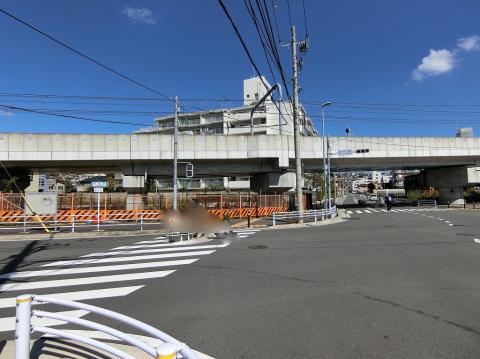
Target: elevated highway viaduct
{"points": [[450, 163]]}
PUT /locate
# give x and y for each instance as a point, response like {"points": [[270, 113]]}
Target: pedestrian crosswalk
{"points": [[117, 272], [244, 233], [394, 210]]}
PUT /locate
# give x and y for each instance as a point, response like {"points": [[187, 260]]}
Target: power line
{"points": [[71, 116], [305, 19], [96, 62], [289, 13], [277, 21]]}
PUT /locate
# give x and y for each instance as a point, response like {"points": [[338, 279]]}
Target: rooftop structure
{"points": [[272, 117]]}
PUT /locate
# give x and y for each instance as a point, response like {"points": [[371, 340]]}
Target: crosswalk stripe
{"points": [[84, 280], [358, 211], [247, 233], [156, 241], [8, 324], [154, 245], [374, 210], [349, 212], [246, 230], [161, 237], [127, 259], [67, 271], [367, 211], [80, 295], [384, 210], [178, 248]]}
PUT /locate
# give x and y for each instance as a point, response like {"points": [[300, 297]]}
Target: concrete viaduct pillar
{"points": [[451, 181]]}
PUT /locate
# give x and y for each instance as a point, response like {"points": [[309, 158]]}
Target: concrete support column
{"points": [[273, 182], [133, 184], [449, 181]]}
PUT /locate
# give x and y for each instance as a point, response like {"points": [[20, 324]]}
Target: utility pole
{"points": [[175, 154], [296, 125]]}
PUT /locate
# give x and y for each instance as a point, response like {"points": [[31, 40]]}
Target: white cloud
{"points": [[471, 43], [436, 63], [140, 15], [6, 113]]}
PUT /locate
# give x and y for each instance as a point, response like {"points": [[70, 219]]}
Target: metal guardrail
{"points": [[171, 348], [319, 214], [427, 202]]}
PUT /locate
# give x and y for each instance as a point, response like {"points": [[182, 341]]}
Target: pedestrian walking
{"points": [[388, 201]]}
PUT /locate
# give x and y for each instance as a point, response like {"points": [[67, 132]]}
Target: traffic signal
{"points": [[363, 150], [189, 170]]}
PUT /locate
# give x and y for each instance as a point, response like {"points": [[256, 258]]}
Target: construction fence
{"points": [[119, 206]]}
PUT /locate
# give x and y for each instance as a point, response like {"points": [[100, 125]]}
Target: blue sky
{"points": [[420, 53]]}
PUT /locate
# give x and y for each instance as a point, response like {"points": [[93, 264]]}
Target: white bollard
{"points": [[167, 351], [23, 326]]}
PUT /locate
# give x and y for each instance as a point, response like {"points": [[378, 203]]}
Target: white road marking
{"points": [[447, 221], [156, 241], [67, 271], [8, 324], [81, 295], [178, 248], [349, 212], [85, 280], [127, 259], [476, 240], [247, 233], [244, 230], [358, 211], [384, 210], [159, 245], [450, 224], [161, 237]]}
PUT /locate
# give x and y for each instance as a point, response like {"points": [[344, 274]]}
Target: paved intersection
{"points": [[117, 272]]}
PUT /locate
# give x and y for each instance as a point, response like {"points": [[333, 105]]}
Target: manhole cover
{"points": [[258, 246]]}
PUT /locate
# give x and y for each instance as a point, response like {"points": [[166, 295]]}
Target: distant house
{"points": [[85, 185]]}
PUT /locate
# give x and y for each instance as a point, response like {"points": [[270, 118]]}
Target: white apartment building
{"points": [[272, 117]]}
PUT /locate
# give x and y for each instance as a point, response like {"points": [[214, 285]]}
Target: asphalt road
{"points": [[403, 284]]}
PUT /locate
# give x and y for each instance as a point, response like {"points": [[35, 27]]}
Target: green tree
{"points": [[9, 184], [314, 182]]}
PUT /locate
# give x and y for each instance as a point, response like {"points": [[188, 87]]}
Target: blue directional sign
{"points": [[345, 152]]}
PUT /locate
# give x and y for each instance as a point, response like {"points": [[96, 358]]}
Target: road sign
{"points": [[97, 189], [189, 170], [99, 184], [345, 152]]}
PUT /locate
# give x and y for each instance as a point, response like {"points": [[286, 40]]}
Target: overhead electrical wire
{"points": [[23, 109], [305, 19], [85, 56]]}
